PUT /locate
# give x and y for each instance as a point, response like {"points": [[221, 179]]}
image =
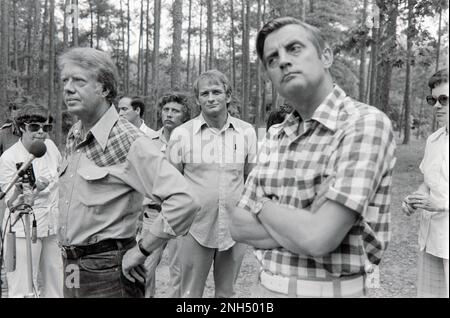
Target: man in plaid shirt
{"points": [[316, 207]]}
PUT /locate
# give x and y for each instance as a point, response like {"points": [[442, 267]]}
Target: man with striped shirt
{"points": [[316, 207]]}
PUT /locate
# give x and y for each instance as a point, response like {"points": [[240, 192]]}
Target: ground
{"points": [[398, 267]]}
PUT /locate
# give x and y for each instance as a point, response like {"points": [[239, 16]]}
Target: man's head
{"points": [[438, 84], [90, 81], [175, 109], [34, 123], [213, 92], [295, 56], [132, 109]]}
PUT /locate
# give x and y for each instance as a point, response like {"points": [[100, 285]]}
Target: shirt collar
{"points": [[160, 135], [200, 122], [326, 114], [438, 134], [102, 128]]}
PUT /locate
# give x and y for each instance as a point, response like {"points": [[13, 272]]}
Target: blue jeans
{"points": [[99, 276]]}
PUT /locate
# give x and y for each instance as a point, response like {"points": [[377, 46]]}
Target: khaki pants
{"points": [[196, 261]]}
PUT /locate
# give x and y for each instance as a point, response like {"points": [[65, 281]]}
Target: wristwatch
{"points": [[259, 205], [142, 249]]}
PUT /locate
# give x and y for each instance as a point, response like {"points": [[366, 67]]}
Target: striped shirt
{"points": [[350, 142]]}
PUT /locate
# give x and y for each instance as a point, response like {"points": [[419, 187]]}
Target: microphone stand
{"points": [[24, 212]]}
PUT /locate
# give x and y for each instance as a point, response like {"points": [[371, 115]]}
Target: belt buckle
{"points": [[64, 250]]}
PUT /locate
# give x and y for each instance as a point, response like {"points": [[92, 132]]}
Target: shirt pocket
{"points": [[95, 186]]}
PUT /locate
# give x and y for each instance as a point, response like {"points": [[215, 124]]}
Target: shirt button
{"points": [[67, 202], [71, 175], [78, 150]]}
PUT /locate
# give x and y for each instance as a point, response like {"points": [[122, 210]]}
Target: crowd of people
{"points": [[313, 200]]}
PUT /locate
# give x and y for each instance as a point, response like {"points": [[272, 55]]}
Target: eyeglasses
{"points": [[34, 127], [443, 100]]}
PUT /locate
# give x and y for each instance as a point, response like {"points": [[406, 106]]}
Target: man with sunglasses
{"points": [[431, 199], [33, 124]]}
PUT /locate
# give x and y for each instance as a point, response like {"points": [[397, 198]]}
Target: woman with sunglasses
{"points": [[34, 125], [431, 199]]}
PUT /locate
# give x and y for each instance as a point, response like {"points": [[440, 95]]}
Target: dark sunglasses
{"points": [[34, 127], [443, 100]]}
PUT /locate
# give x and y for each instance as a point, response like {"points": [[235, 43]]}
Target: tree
{"points": [[155, 58], [4, 54], [175, 74], [189, 32], [362, 50], [388, 57], [409, 55], [210, 34]]}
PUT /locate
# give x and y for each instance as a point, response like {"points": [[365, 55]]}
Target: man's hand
{"points": [[41, 184], [132, 267]]}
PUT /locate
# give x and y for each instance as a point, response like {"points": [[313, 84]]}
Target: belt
{"points": [[78, 251], [352, 286]]}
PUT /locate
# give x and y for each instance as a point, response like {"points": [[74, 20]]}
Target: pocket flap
{"points": [[91, 174]]}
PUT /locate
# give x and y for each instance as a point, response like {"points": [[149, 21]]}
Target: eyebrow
{"points": [[286, 45]]}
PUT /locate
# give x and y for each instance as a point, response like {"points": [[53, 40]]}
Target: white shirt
{"points": [[434, 226], [46, 202], [147, 130]]}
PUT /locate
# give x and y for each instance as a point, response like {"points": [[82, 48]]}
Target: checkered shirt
{"points": [[121, 137], [353, 144]]}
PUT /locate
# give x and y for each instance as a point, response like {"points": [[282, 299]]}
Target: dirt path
{"points": [[398, 268]]}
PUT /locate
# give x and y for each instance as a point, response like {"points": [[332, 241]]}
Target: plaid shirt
{"points": [[350, 142], [104, 177]]}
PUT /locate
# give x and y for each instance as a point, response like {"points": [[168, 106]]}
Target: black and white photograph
{"points": [[244, 150]]}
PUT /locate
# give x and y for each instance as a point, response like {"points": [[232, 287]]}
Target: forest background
{"points": [[385, 51]]}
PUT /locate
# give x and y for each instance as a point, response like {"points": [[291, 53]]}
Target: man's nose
{"points": [[68, 86], [284, 59]]}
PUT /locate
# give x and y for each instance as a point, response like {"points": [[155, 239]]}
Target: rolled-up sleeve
{"points": [[365, 157], [150, 173]]}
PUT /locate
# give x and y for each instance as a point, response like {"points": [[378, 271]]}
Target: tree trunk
{"points": [[201, 38], [75, 22], [91, 14], [374, 66], [188, 66], [260, 108], [65, 28], [233, 46], [97, 37], [311, 6], [362, 55], [42, 46], [141, 32], [56, 111], [245, 61], [4, 55], [15, 46], [210, 34], [35, 56], [127, 64], [175, 74], [387, 62], [409, 56], [434, 123], [155, 60], [147, 49]]}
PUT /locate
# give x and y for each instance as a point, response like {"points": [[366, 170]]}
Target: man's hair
{"points": [[315, 35], [179, 98], [438, 78], [98, 62], [32, 113], [214, 76], [136, 102]]}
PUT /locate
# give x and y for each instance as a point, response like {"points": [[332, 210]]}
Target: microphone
{"points": [[37, 150]]}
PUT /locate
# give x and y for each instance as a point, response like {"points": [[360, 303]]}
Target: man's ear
{"points": [[138, 110], [327, 57]]}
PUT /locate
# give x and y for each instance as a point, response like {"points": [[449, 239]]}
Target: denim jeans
{"points": [[99, 276]]}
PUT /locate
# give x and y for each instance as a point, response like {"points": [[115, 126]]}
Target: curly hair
{"points": [[179, 98], [438, 78], [32, 113]]}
